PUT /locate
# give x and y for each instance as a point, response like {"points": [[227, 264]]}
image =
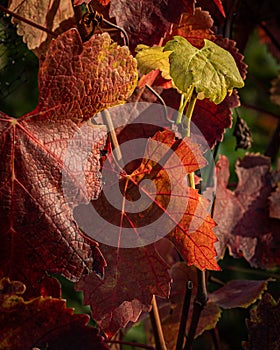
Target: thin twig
{"points": [[156, 324], [229, 20], [28, 21], [125, 36], [184, 316], [216, 338], [138, 345], [161, 100]]}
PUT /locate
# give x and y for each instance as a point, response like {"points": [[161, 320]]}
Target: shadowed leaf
{"points": [[146, 21], [39, 233], [244, 224], [263, 326], [42, 322], [51, 14], [132, 277], [238, 293]]}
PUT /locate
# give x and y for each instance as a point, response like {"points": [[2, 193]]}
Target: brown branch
{"points": [[28, 21], [199, 303], [138, 345], [184, 316]]}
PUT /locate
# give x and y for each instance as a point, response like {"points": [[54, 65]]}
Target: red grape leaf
{"points": [[238, 293], [194, 27], [42, 322], [263, 326], [215, 7], [146, 21], [170, 207], [39, 232], [132, 277], [53, 15], [242, 215]]}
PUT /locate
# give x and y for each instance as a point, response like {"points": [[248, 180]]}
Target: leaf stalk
{"points": [[156, 324]]}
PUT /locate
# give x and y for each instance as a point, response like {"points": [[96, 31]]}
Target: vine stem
{"points": [[184, 316], [188, 118], [201, 295], [28, 21], [199, 303], [156, 324]]}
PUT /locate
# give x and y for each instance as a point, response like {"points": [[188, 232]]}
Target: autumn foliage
{"points": [[164, 237]]}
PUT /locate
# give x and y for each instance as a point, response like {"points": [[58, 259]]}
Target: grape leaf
{"points": [[39, 232], [230, 45], [42, 322], [238, 293], [146, 21], [151, 58], [50, 14], [194, 27], [168, 207], [212, 70], [132, 277], [244, 224], [263, 326]]}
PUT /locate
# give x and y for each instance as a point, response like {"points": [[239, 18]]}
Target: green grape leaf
{"points": [[151, 58], [211, 69]]}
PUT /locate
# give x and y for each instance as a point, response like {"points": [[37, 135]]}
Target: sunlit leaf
{"points": [[151, 58], [211, 70]]}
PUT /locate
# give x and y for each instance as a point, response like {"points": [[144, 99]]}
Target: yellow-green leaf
{"points": [[211, 69], [150, 58]]}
